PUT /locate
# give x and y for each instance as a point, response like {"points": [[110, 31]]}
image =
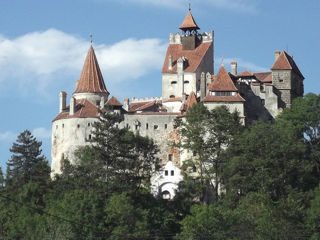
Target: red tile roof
{"points": [[191, 100], [246, 73], [236, 98], [83, 109], [286, 62], [146, 106], [175, 99], [113, 101], [264, 76], [194, 57], [91, 79], [189, 23], [222, 82]]}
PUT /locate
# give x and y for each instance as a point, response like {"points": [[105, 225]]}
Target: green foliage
{"points": [[26, 163], [208, 222], [207, 134]]}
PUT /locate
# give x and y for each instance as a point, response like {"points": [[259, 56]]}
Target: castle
{"points": [[187, 78]]}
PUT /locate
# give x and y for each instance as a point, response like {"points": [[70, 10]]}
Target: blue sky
{"points": [[43, 44]]}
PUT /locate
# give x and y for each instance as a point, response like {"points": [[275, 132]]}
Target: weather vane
{"points": [[90, 38], [222, 61], [189, 5]]}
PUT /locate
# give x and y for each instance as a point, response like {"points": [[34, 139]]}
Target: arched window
{"points": [[172, 96]]}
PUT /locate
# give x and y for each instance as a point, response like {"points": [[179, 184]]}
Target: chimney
{"points": [[170, 63], [126, 104], [277, 54], [72, 106], [234, 68], [203, 86], [62, 105], [102, 102]]}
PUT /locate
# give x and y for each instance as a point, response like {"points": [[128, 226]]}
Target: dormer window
{"points": [[223, 94]]}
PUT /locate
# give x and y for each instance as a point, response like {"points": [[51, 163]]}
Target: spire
{"points": [[189, 24], [91, 79]]}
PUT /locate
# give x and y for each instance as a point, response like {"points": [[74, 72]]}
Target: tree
{"points": [[207, 134], [116, 156], [26, 163], [304, 118], [266, 158], [208, 222], [1, 179]]}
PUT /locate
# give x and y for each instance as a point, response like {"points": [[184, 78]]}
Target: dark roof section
{"points": [[91, 79], [286, 62]]}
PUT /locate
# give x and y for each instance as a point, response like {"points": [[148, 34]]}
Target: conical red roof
{"points": [[189, 23], [91, 79], [286, 62], [222, 82]]}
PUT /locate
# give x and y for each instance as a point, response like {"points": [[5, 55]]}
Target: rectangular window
{"points": [[172, 172], [147, 126], [170, 157], [155, 127], [165, 126], [166, 173]]}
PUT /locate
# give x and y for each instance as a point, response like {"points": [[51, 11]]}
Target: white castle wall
{"points": [[67, 136]]}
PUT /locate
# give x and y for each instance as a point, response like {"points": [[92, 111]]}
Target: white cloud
{"points": [[42, 133], [248, 6], [8, 136], [32, 61], [241, 63]]}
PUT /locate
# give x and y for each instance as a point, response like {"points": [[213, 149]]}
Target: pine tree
{"points": [[26, 163], [1, 178]]}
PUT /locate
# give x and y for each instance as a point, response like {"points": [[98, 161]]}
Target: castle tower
{"points": [[188, 55], [287, 79], [73, 125], [222, 91]]}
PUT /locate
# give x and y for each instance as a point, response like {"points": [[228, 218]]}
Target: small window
{"points": [[194, 169], [280, 80], [186, 82], [172, 96], [263, 102], [62, 125], [88, 124], [172, 172], [147, 126], [165, 126], [56, 126], [194, 153], [127, 125], [78, 126], [155, 127], [166, 173], [90, 137], [136, 127], [173, 82], [170, 157], [97, 102]]}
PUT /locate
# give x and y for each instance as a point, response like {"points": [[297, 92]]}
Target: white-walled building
{"points": [[187, 78]]}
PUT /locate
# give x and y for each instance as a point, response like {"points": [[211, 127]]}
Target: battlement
{"points": [[204, 37], [146, 99]]}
